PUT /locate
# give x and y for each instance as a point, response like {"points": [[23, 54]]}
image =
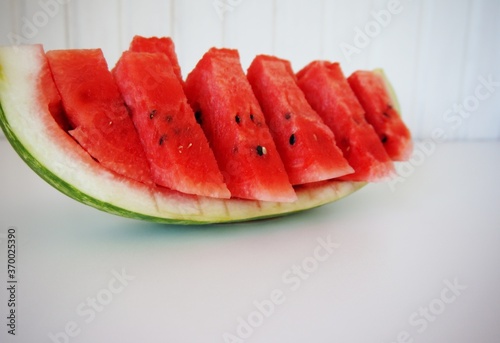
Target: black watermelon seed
{"points": [[384, 139], [288, 116], [261, 150], [237, 119], [152, 114], [197, 116], [163, 138], [169, 118], [292, 139], [251, 117]]}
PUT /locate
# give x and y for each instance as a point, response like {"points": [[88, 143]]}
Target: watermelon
{"points": [[27, 97], [374, 93], [163, 45], [96, 113], [231, 117], [176, 148], [69, 122], [330, 94], [305, 144]]}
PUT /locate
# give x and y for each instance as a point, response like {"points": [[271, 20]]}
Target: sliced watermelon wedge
{"points": [[96, 112], [53, 154], [374, 93], [175, 145], [306, 145], [329, 93], [234, 124], [164, 45]]}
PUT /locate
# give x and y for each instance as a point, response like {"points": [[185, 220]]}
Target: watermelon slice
{"points": [[329, 93], [175, 145], [96, 112], [306, 145], [234, 124], [163, 45], [30, 127], [374, 93]]}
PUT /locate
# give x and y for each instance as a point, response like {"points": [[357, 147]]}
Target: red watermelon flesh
{"points": [[329, 93], [373, 94], [96, 113], [306, 145], [163, 45], [234, 124], [175, 145], [50, 95]]}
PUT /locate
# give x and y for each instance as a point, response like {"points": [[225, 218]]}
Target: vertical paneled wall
{"points": [[443, 56]]}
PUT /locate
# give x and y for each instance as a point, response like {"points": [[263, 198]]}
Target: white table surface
{"points": [[418, 263]]}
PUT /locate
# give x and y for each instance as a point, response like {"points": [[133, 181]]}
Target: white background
{"points": [[398, 247], [433, 51]]}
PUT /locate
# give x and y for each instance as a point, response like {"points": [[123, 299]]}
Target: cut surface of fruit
{"points": [[96, 112], [373, 92], [232, 120], [176, 148], [329, 93], [55, 156], [163, 45], [306, 145]]}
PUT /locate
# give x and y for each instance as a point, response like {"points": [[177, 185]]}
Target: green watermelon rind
{"points": [[171, 208]]}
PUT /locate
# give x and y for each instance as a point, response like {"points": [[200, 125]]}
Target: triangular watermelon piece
{"points": [[373, 93], [329, 93], [175, 145], [234, 124], [96, 112], [163, 45], [306, 145]]}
